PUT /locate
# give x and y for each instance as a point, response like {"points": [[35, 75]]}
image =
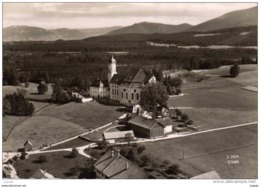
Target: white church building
{"points": [[125, 88]]}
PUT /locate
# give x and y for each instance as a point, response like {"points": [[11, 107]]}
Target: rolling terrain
{"points": [[27, 33], [239, 18], [149, 28]]}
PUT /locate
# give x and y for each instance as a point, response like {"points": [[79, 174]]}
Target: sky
{"points": [[97, 15]]}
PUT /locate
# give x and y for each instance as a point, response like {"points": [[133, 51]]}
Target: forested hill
{"points": [[239, 36], [239, 18], [149, 28]]}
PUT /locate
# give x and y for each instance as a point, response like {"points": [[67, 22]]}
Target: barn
{"points": [[146, 128]]}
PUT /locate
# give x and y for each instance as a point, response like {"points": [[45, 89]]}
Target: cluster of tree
{"points": [[10, 77], [180, 116], [153, 95], [173, 85], [17, 104], [59, 95]]}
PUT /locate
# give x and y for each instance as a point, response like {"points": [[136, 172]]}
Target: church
{"points": [[125, 88]]}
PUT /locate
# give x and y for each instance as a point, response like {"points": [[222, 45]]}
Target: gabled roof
{"points": [[117, 79], [135, 75], [96, 83], [40, 174], [27, 142], [115, 166], [208, 175], [144, 122], [119, 134], [165, 121]]}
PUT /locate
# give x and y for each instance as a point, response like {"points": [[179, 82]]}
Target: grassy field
{"points": [[58, 164], [209, 118], [32, 92], [9, 122], [41, 130], [208, 151], [87, 115], [216, 93]]}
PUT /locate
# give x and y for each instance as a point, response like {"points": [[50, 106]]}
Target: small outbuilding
{"points": [[28, 146], [112, 137], [167, 123]]}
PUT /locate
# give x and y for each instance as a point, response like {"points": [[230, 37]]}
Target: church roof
{"points": [[117, 79], [135, 75]]}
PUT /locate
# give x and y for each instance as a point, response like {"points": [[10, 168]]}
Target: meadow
{"points": [[68, 168], [197, 154]]}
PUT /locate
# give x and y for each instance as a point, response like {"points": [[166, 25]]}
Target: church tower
{"points": [[111, 69]]}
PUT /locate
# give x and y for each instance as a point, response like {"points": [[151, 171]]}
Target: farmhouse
{"points": [[112, 165], [27, 146], [125, 88], [112, 137], [40, 174]]}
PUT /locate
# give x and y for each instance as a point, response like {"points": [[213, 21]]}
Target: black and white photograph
{"points": [[134, 90]]}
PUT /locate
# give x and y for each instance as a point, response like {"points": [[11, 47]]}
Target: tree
{"points": [[158, 74], [6, 106], [42, 88], [74, 152], [140, 149], [101, 144], [128, 137], [43, 158], [234, 70], [153, 95], [184, 117], [173, 169], [59, 95], [19, 105], [178, 112]]}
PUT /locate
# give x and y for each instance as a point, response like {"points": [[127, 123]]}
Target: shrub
{"points": [[184, 117], [140, 149], [43, 158], [234, 70], [74, 153], [42, 88], [189, 122]]}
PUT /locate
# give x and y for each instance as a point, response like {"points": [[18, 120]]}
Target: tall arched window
{"points": [[132, 95], [122, 94], [126, 95], [137, 96]]}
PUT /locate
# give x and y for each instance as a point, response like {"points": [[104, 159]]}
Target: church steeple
{"points": [[111, 68]]}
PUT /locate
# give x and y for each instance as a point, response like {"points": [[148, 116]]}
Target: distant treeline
{"points": [[78, 63]]}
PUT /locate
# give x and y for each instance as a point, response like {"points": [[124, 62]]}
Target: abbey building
{"points": [[125, 88]]}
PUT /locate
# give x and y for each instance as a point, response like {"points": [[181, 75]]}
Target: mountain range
{"points": [[27, 33], [150, 28], [239, 18]]}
